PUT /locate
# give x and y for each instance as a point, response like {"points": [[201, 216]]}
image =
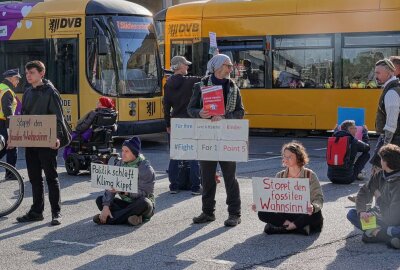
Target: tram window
{"points": [[303, 62], [361, 52], [100, 69], [16, 53], [63, 68], [248, 58], [183, 48]]}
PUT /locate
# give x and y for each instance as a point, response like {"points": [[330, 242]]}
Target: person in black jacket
{"points": [[349, 172], [177, 94], [104, 106], [219, 67], [42, 98]]}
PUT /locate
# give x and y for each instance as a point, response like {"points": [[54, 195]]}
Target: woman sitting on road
{"points": [[294, 159]]}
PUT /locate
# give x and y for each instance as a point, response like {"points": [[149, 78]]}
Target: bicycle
{"points": [[11, 186]]}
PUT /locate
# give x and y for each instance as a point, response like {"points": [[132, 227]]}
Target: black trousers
{"points": [[121, 210], [11, 153], [300, 220], [38, 159], [208, 170]]}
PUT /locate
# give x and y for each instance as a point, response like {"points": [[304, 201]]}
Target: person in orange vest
{"points": [[8, 106]]}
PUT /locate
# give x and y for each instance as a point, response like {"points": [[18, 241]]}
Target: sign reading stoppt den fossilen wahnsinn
{"points": [[284, 195], [201, 139], [33, 131], [124, 179]]}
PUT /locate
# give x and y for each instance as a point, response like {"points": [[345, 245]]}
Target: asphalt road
{"points": [[171, 241]]}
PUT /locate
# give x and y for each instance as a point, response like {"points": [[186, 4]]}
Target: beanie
{"points": [[134, 145]]}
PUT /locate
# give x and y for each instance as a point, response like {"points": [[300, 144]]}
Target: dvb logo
{"points": [[63, 23]]}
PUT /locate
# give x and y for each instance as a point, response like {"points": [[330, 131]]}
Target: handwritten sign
{"points": [[201, 139], [284, 195], [33, 130], [370, 224], [213, 43], [123, 179]]}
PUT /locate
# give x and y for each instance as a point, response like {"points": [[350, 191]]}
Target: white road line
{"points": [[320, 149], [224, 262], [268, 158], [74, 243]]}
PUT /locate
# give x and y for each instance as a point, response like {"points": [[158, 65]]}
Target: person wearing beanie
{"points": [[129, 208], [385, 186], [105, 105], [177, 94], [219, 68]]}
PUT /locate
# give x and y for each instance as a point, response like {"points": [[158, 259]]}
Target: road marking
{"points": [[224, 262], [74, 243], [268, 158], [320, 149]]}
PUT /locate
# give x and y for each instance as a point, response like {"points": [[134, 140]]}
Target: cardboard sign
{"points": [[370, 224], [201, 139], [213, 43], [283, 195], [33, 130], [213, 100], [120, 178]]}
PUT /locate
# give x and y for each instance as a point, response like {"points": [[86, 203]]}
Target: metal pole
{"points": [[167, 3]]}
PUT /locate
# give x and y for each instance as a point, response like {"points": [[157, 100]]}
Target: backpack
{"points": [[338, 151]]}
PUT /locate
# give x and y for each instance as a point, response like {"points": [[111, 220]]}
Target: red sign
{"points": [[213, 100]]}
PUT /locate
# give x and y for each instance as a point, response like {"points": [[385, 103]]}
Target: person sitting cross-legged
{"points": [[385, 186], [129, 208], [294, 159]]}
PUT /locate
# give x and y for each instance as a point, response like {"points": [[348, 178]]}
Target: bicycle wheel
{"points": [[11, 189]]}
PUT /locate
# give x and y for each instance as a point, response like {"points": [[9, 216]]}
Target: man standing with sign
{"points": [[177, 93], [8, 106], [219, 68], [42, 98], [131, 208]]}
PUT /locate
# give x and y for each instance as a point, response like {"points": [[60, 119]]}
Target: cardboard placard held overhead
{"points": [[33, 131]]}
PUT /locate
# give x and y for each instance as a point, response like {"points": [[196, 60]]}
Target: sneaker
{"points": [[56, 219], [173, 191], [196, 193], [305, 230], [204, 218], [370, 239], [135, 220], [352, 198], [232, 221], [394, 243], [96, 219], [30, 216], [271, 229], [360, 176]]}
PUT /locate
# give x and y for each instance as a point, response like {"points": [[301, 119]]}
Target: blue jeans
{"points": [[181, 171]]}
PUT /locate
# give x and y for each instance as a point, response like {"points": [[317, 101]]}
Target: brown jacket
{"points": [[316, 195]]}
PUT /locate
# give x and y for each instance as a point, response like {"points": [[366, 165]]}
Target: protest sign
{"points": [[124, 179], [284, 195], [355, 114], [213, 43], [33, 131], [201, 139], [213, 100]]}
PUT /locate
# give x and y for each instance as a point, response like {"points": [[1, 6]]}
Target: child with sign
{"points": [[131, 208], [382, 222], [294, 159]]}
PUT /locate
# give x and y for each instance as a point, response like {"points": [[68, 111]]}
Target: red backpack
{"points": [[338, 151]]}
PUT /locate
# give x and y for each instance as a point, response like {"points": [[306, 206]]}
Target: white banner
{"points": [[201, 139], [285, 195], [120, 178]]}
